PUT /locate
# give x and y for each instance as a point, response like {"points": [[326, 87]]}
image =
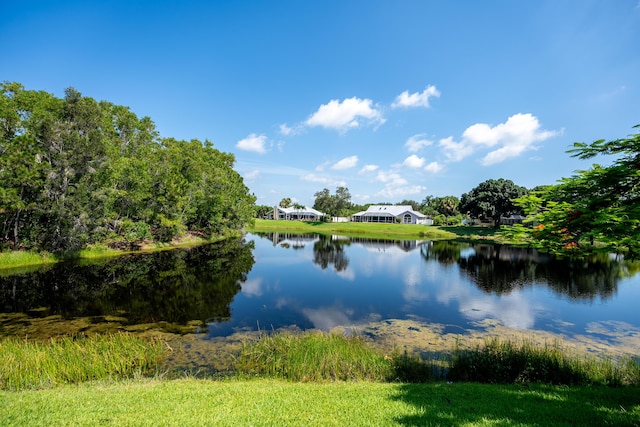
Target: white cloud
{"points": [[367, 169], [418, 99], [311, 177], [251, 175], [345, 115], [455, 151], [392, 178], [518, 134], [417, 143], [392, 191], [434, 167], [253, 142], [285, 130], [322, 166], [413, 161], [346, 163]]}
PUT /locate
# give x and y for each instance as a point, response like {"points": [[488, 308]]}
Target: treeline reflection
{"points": [[497, 269], [175, 286], [500, 269]]}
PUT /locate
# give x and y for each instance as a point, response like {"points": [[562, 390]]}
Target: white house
{"points": [[390, 214], [299, 214]]}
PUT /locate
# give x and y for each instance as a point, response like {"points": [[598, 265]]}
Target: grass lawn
{"points": [[269, 402], [373, 230]]}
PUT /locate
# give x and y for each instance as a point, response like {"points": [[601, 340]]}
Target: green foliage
{"points": [[492, 199], [337, 204], [75, 172], [596, 209]]}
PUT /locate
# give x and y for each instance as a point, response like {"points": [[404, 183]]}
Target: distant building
{"points": [[295, 214], [391, 215], [512, 219]]}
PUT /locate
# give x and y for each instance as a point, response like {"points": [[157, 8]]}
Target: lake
{"points": [[420, 295]]}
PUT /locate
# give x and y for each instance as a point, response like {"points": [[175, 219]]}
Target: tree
{"points": [[285, 202], [333, 205], [74, 171], [414, 205], [598, 205], [492, 199]]}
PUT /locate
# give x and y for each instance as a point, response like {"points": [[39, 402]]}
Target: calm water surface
{"points": [[275, 281]]}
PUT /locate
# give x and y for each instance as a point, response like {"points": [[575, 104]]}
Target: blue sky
{"points": [[392, 99]]}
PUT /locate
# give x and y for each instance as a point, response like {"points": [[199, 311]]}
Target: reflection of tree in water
{"points": [[173, 286], [444, 252], [330, 252], [501, 269]]}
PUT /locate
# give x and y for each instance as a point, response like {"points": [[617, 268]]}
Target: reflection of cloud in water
{"points": [[513, 310], [252, 287], [327, 318], [348, 274]]}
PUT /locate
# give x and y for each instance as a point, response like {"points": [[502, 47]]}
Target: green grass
{"points": [[15, 259], [268, 402], [501, 361], [32, 364], [354, 229], [296, 380]]}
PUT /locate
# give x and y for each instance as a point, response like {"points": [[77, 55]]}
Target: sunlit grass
{"points": [[370, 230], [14, 259], [32, 364], [268, 402]]}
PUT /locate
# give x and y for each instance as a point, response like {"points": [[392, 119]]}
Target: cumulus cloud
{"points": [[413, 161], [455, 151], [346, 163], [417, 143], [253, 142], [367, 169], [418, 99], [434, 167], [348, 114], [311, 177], [518, 134], [390, 177]]}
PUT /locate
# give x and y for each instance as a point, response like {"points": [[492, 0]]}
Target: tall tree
{"points": [[492, 199]]}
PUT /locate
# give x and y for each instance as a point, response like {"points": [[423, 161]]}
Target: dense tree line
{"points": [[75, 171]]}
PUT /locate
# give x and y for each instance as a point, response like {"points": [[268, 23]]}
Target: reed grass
{"points": [[312, 356], [34, 365], [503, 361]]}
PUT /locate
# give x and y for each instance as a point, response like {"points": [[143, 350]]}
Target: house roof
{"points": [[300, 211], [389, 210]]}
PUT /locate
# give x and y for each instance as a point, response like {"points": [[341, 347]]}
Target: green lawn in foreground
{"points": [[192, 402]]}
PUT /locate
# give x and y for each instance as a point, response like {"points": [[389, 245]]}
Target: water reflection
{"points": [[176, 286], [282, 280]]}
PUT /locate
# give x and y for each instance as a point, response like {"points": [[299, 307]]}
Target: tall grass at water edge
{"points": [[31, 364], [325, 357], [318, 357], [507, 362]]}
